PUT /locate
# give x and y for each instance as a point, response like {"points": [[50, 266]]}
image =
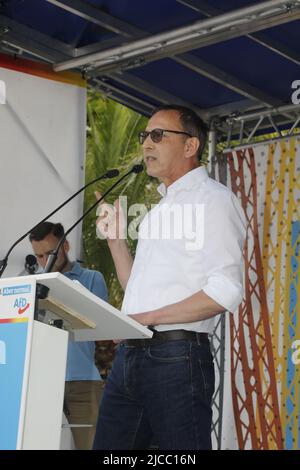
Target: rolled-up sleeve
{"points": [[224, 239]]}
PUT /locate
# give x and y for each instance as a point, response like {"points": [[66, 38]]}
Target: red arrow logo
{"points": [[22, 310]]}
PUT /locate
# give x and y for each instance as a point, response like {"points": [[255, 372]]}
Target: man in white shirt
{"points": [[187, 269]]}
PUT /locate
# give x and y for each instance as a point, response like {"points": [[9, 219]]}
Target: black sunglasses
{"points": [[157, 134]]}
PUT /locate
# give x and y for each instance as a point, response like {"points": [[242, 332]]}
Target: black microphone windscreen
{"points": [[112, 173], [137, 168], [31, 264], [30, 260]]}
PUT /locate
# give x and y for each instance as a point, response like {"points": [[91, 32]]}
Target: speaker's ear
{"points": [[192, 145], [66, 246]]}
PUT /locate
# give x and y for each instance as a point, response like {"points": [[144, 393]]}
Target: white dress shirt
{"points": [[191, 241]]}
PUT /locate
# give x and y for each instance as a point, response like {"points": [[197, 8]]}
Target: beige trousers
{"points": [[82, 400]]}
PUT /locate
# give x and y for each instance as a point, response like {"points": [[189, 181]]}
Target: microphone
{"points": [[137, 168], [31, 264], [109, 174], [53, 256]]}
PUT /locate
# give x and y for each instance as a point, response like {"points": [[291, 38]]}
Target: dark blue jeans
{"points": [[158, 394]]}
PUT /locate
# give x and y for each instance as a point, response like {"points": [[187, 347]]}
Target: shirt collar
{"points": [[187, 181], [75, 269]]}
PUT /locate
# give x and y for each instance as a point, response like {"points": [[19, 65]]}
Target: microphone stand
{"points": [[109, 174], [53, 256]]}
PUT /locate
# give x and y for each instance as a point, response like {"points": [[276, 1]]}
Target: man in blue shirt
{"points": [[84, 385]]}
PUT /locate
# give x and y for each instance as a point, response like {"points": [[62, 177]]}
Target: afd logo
{"points": [[22, 305], [2, 92], [17, 290], [2, 353]]}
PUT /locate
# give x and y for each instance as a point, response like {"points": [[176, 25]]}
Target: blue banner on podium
{"points": [[16, 319]]}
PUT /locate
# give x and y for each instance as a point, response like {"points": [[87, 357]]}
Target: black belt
{"points": [[170, 335]]}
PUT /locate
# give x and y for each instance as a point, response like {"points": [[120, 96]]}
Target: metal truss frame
{"points": [[217, 26], [208, 11], [218, 337], [199, 34], [187, 60], [246, 129]]}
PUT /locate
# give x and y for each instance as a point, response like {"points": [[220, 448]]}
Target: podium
{"points": [[33, 354]]}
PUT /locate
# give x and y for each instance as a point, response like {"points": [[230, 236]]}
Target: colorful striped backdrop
{"points": [[264, 379]]}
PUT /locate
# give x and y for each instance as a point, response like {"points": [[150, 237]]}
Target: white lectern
{"points": [[33, 354]]}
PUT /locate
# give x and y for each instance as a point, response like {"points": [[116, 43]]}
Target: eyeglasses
{"points": [[157, 135]]}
